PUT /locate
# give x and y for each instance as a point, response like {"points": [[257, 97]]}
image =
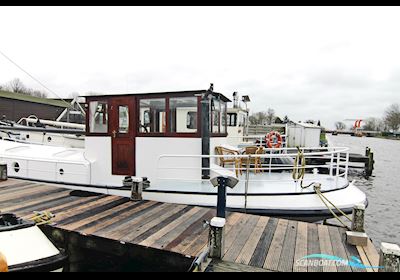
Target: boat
{"points": [[33, 130], [167, 141], [25, 248]]}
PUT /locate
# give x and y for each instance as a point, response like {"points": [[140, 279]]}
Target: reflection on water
{"points": [[383, 189]]}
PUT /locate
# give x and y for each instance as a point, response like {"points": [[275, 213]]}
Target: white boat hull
{"points": [[26, 249]]}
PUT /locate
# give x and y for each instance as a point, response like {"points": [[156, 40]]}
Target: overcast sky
{"points": [[327, 63]]}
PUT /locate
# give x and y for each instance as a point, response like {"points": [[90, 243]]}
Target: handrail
{"points": [[334, 155]]}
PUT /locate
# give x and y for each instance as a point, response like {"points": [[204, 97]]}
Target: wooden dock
{"points": [[125, 235]]}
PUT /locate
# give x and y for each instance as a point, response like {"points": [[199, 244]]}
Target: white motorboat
{"points": [[29, 130], [24, 247], [170, 138]]}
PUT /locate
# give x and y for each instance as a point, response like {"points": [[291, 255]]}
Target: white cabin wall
{"points": [[98, 151], [312, 137], [149, 149]]}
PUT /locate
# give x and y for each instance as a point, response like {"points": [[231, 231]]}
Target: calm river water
{"points": [[383, 189]]}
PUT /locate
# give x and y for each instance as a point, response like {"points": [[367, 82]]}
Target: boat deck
{"points": [[171, 236]]}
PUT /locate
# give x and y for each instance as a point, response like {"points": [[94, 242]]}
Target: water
{"points": [[383, 189]]}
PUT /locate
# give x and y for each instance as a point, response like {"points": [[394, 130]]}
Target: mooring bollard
{"points": [[357, 235], [217, 224], [217, 239], [3, 172], [136, 185], [358, 218], [389, 260]]}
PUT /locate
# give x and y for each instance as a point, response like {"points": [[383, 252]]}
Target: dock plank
{"points": [[165, 230], [313, 246], [122, 227], [338, 248], [372, 255], [179, 229], [286, 261], [275, 250], [261, 251], [251, 244], [103, 225], [301, 247], [326, 246], [241, 239], [179, 244]]}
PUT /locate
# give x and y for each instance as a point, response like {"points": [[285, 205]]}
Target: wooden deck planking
{"points": [[325, 246], [253, 243], [287, 260], [338, 248], [275, 250], [301, 246]]}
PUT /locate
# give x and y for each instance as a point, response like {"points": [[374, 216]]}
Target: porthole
{"points": [[16, 167], [61, 171], [49, 139], [27, 136]]}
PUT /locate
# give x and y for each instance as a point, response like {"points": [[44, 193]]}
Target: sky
{"points": [[321, 63]]}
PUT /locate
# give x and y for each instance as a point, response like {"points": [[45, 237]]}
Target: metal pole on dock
{"points": [[217, 224]]}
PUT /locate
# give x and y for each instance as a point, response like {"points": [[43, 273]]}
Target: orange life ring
{"points": [[273, 140]]}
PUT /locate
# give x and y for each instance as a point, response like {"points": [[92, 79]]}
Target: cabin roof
{"points": [[33, 99], [188, 92]]}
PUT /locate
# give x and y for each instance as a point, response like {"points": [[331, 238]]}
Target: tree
{"points": [[270, 116], [340, 126], [392, 117], [372, 124], [17, 86], [258, 118]]}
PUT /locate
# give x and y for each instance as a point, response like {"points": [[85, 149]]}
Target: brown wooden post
{"points": [[389, 260], [358, 218]]}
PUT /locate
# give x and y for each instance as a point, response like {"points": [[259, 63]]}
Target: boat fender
{"points": [[3, 263], [273, 139]]}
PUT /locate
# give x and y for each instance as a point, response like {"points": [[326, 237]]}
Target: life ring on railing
{"points": [[273, 140]]}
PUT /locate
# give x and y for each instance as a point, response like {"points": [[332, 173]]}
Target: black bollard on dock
{"points": [[217, 224]]}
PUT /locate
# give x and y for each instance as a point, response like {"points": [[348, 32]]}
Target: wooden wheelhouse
{"points": [[133, 130]]}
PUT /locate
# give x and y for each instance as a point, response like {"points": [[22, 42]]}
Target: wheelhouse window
{"points": [[183, 114], [152, 115], [98, 117], [215, 116], [123, 112], [232, 119], [223, 117], [218, 117]]}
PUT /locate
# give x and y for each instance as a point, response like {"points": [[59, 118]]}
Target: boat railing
{"points": [[255, 140], [331, 161]]}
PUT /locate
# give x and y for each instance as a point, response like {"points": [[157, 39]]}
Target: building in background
{"points": [[15, 106]]}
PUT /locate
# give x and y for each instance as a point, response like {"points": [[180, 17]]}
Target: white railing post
{"points": [[347, 165], [337, 167], [331, 165]]}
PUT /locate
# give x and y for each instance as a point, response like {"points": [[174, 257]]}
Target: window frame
{"points": [[168, 133], [87, 105]]}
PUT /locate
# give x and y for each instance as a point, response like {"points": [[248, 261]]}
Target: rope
{"points": [[324, 199], [41, 218], [299, 173]]}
